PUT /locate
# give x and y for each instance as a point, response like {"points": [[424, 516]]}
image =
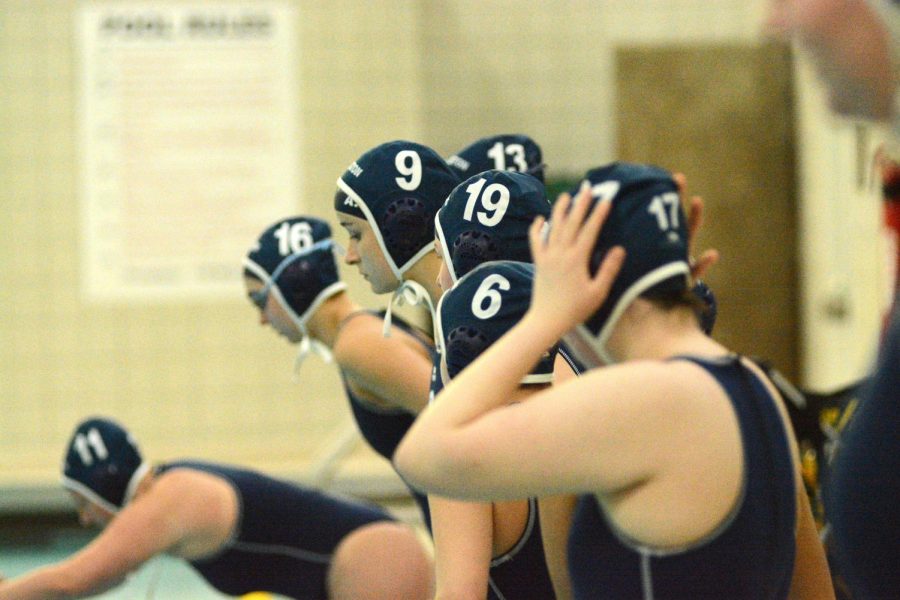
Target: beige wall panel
{"points": [[191, 378]]}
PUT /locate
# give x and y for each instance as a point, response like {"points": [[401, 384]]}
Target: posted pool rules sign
{"points": [[188, 119]]}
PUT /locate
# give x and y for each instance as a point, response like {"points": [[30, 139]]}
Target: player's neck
{"points": [[425, 273], [325, 323], [145, 483], [646, 332]]}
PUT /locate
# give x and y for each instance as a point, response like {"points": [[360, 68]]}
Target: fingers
{"points": [[569, 224], [589, 233], [536, 236], [702, 265], [695, 217], [681, 182], [605, 276]]}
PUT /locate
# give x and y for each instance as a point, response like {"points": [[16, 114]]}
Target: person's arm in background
{"points": [[467, 535], [556, 520], [850, 46], [812, 577], [556, 515], [149, 525]]}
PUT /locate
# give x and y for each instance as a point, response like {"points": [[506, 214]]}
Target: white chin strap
{"points": [[310, 345], [411, 293], [91, 495], [591, 349]]}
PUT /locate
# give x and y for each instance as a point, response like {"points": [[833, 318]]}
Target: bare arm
{"points": [[395, 370], [462, 547], [556, 520], [556, 515], [141, 530], [812, 577]]}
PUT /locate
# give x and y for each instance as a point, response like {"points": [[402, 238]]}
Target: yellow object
{"points": [[257, 596]]}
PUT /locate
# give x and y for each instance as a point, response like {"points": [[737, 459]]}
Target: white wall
{"points": [[845, 279]]}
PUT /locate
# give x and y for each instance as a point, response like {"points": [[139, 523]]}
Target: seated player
{"points": [[680, 450], [387, 200], [291, 276]]}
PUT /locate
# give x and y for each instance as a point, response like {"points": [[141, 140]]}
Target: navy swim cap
{"points": [[397, 187], [480, 308], [487, 217], [647, 220], [103, 463], [294, 257], [504, 152]]}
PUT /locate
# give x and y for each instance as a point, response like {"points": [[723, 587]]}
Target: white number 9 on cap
{"points": [[409, 165]]}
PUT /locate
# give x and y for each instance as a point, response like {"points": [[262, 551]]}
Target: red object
{"points": [[890, 188]]}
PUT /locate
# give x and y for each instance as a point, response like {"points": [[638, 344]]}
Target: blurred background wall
{"points": [[197, 376]]}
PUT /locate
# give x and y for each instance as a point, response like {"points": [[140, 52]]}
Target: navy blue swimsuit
{"points": [[751, 555], [284, 537], [383, 428], [862, 493]]}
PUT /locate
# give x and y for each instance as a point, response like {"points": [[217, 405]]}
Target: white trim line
{"points": [[438, 327], [91, 495], [134, 482], [535, 378], [345, 187], [300, 320], [445, 251], [257, 270], [429, 247], [598, 343]]}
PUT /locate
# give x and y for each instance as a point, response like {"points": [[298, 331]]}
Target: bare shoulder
{"points": [[205, 504], [361, 339], [191, 490], [357, 333]]}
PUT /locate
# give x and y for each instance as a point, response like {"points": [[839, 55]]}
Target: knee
{"points": [[381, 561]]}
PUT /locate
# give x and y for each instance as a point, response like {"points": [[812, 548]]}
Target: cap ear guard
{"points": [[464, 344], [707, 316], [407, 228], [472, 248], [309, 280]]}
